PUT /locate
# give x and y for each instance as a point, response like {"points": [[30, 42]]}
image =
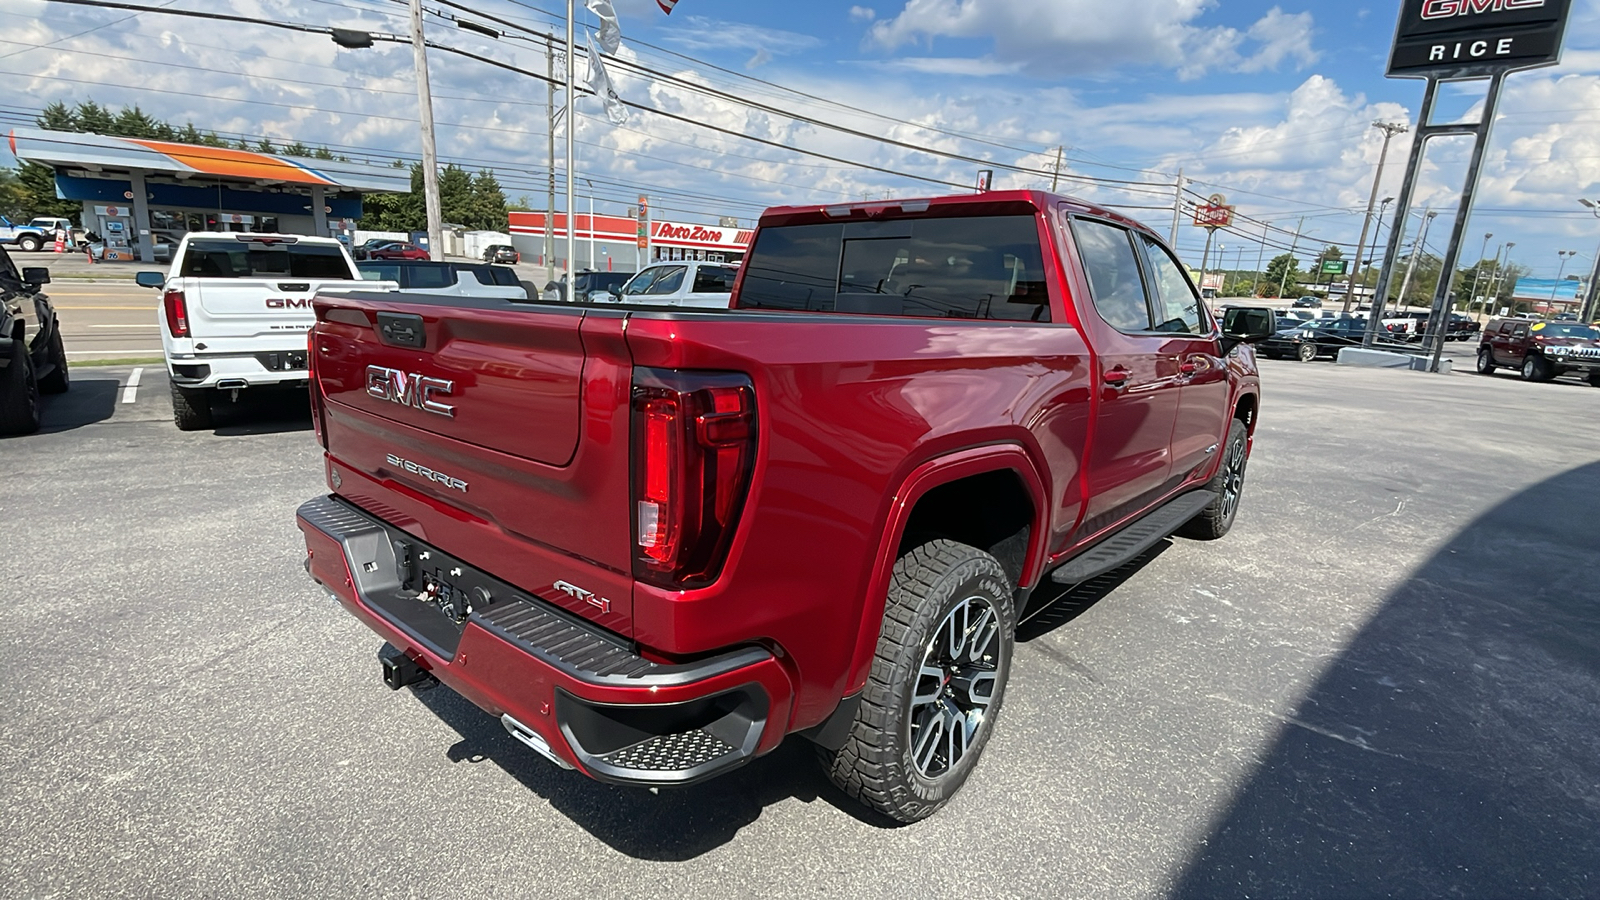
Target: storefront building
{"points": [[611, 243], [142, 194]]}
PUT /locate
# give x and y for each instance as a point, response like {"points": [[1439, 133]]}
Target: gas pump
{"points": [[117, 224]]}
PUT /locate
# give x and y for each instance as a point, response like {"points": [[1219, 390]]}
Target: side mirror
{"points": [[36, 276], [1246, 325], [150, 279]]}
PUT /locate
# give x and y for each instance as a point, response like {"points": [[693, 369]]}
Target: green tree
{"points": [[488, 204], [132, 122], [1283, 270], [58, 117], [396, 212], [295, 149], [94, 118], [455, 195], [13, 199]]}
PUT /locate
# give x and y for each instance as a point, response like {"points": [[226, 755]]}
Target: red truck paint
{"points": [[858, 417]]}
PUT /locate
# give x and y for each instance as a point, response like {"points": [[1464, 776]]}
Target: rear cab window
{"points": [[714, 280], [255, 259], [964, 267]]}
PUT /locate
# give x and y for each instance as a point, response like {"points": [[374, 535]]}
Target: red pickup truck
{"points": [[655, 542]]}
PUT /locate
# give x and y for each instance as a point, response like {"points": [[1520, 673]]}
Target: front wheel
{"points": [[1485, 361], [29, 243], [1306, 352], [1228, 484], [19, 393], [60, 377], [936, 684], [1534, 368]]}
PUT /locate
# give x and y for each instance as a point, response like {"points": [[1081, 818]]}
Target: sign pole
{"points": [[1402, 217]]}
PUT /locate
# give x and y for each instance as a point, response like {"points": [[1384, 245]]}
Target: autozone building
{"points": [[611, 243]]}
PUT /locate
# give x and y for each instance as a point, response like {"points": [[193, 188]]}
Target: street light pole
{"points": [[1560, 273], [430, 154], [1389, 131], [1591, 306], [1293, 247], [592, 260], [1500, 274], [1477, 273], [1261, 257], [1411, 267], [550, 187], [1365, 265]]}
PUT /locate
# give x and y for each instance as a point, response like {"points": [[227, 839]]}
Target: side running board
{"points": [[1124, 546]]}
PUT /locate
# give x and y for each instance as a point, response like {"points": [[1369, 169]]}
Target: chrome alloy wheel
{"points": [[955, 686], [1233, 477]]}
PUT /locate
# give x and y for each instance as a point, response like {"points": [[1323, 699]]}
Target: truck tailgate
{"points": [[496, 431], [223, 308]]}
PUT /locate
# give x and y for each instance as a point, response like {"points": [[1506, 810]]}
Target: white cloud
{"points": [[862, 14], [1084, 36]]}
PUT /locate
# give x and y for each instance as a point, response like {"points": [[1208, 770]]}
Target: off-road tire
{"points": [[19, 393], [1306, 352], [929, 585], [1535, 368], [191, 408], [1228, 484], [60, 378], [30, 243], [1486, 364]]}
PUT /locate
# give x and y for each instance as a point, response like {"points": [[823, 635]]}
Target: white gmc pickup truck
{"points": [[235, 310]]}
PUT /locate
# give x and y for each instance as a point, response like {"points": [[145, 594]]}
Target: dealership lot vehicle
{"points": [[589, 284], [1541, 351], [33, 359], [701, 285], [1313, 339], [27, 238], [449, 278], [501, 253], [675, 635], [235, 309], [396, 250]]}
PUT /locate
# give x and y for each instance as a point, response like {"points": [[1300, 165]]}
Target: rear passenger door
{"points": [[1130, 455], [1203, 399]]}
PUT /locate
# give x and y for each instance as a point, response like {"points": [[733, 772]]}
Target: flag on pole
{"points": [[667, 5], [610, 37], [600, 83]]}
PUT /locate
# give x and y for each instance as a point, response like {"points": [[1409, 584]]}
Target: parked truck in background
{"points": [[656, 542], [27, 238], [234, 313]]}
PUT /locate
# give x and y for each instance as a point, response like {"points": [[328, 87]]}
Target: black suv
{"points": [[32, 359]]}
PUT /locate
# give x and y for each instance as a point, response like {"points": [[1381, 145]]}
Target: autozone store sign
{"points": [[626, 230], [1477, 37]]}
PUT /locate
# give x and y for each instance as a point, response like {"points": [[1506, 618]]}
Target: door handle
{"points": [[1117, 377], [1188, 367]]}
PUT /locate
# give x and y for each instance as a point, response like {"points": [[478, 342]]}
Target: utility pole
{"points": [[572, 127], [1293, 247], [1477, 274], [1177, 213], [1561, 273], [1261, 257], [550, 193], [1500, 275], [1056, 178], [1378, 303], [1389, 131], [1365, 268], [430, 154]]}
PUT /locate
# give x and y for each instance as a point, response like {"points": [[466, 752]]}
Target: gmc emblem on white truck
{"points": [[410, 389], [288, 303]]}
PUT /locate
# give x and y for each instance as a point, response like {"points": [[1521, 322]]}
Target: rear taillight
{"points": [[177, 313], [694, 441]]}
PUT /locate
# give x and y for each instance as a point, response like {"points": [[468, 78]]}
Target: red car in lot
{"points": [[397, 250], [656, 542]]}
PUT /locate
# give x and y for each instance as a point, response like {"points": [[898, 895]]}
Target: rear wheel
{"points": [[191, 408], [19, 393], [1535, 368], [59, 378], [1485, 361], [1306, 352], [1228, 484], [936, 684]]}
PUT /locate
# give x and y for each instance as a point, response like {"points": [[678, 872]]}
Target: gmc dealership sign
{"points": [[1474, 38]]}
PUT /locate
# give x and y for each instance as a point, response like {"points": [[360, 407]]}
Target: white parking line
{"points": [[152, 327], [130, 391]]}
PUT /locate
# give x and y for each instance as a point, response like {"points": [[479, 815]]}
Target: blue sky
{"points": [[1269, 103]]}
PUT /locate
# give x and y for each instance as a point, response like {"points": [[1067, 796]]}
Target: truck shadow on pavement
{"points": [[89, 400], [672, 824], [1454, 748], [1053, 605], [265, 411]]}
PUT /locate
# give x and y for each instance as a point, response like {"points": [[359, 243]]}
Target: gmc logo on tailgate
{"points": [[288, 303], [410, 389]]}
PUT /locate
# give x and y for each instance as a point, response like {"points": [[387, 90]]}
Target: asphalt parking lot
{"points": [[1384, 682]]}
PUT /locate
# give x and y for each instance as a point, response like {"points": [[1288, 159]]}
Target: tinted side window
{"points": [[641, 282], [1178, 309], [1114, 277], [794, 267], [713, 280], [668, 281]]}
